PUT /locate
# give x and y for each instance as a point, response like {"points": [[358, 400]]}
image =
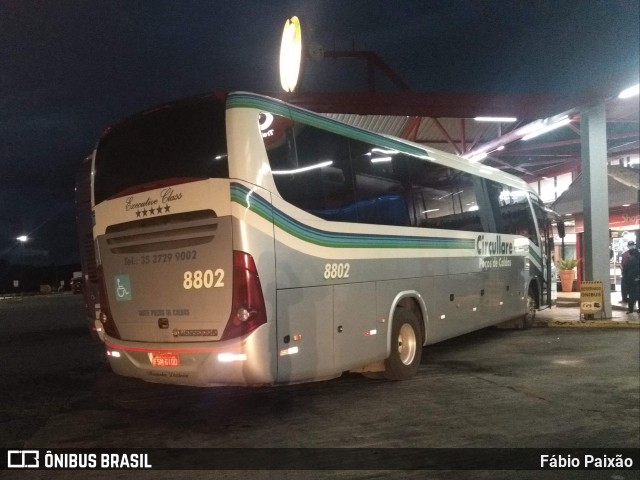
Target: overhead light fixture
{"points": [[630, 92], [544, 129], [496, 119], [290, 54]]}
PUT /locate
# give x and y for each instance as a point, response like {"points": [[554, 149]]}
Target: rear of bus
{"points": [[182, 301]]}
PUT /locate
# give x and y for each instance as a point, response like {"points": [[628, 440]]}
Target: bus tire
{"points": [[406, 346], [530, 313]]}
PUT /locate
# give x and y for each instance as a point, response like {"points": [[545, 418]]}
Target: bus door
{"points": [[545, 218]]}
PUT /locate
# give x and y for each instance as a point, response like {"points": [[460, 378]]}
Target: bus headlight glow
{"points": [[232, 357], [113, 353]]}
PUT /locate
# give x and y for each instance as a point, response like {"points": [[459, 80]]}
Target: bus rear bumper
{"points": [[202, 364]]}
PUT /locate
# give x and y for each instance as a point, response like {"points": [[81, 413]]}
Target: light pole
{"points": [[22, 239]]}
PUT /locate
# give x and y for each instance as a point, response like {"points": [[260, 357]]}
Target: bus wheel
{"points": [[406, 347], [530, 314]]}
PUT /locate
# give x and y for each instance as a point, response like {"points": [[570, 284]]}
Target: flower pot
{"points": [[566, 280]]}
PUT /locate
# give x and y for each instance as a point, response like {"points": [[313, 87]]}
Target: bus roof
{"points": [[241, 99], [277, 106]]}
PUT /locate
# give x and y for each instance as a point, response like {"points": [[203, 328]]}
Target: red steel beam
{"points": [[410, 130]]}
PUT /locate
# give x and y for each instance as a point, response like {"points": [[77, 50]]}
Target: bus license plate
{"points": [[165, 360]]}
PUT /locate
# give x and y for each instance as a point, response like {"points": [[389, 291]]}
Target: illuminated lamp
{"points": [[630, 92], [496, 119], [290, 54]]}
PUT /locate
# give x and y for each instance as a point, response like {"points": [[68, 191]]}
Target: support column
{"points": [[595, 193]]}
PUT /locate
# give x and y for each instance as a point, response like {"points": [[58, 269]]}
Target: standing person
{"points": [[623, 260], [631, 276]]}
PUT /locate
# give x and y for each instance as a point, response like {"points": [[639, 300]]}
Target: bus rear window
{"points": [[185, 140]]}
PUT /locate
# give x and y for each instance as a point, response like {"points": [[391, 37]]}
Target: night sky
{"points": [[70, 68]]}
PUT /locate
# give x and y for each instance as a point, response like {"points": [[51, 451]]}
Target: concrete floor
{"points": [[570, 383]]}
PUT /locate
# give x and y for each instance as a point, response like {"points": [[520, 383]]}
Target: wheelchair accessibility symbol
{"points": [[122, 285]]}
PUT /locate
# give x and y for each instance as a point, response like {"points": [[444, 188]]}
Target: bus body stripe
{"points": [[258, 205]]}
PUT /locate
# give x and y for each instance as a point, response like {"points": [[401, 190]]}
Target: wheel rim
{"points": [[407, 344]]}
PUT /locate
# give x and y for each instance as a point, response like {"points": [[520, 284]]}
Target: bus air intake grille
{"points": [[173, 231]]}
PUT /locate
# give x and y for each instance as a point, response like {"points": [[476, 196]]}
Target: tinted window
{"points": [[512, 212], [342, 179], [380, 192], [182, 140], [331, 177], [312, 169]]}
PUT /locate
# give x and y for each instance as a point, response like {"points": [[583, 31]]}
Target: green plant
{"points": [[567, 263]]}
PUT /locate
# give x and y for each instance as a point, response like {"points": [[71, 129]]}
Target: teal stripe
{"points": [[271, 105], [534, 256], [248, 199]]}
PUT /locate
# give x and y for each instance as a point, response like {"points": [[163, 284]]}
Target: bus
{"points": [[89, 281], [241, 240]]}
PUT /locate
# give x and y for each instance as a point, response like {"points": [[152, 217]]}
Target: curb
{"points": [[560, 317], [589, 324]]}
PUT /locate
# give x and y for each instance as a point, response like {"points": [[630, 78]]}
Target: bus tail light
{"points": [[247, 308], [105, 316]]}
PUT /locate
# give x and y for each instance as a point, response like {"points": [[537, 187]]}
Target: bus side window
{"points": [[460, 207], [380, 194], [282, 158], [513, 214], [310, 167]]}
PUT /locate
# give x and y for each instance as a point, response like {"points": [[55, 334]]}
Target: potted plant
{"points": [[566, 266]]}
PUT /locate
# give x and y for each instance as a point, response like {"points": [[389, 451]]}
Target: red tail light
{"points": [[247, 309], [105, 312]]}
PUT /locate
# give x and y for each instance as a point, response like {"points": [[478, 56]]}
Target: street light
{"points": [[22, 239]]}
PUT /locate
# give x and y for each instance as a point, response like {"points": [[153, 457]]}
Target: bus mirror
{"points": [[560, 226]]}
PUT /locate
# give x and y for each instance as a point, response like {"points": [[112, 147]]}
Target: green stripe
{"points": [[534, 256], [244, 197]]}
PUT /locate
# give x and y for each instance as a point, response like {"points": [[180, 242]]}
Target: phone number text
{"points": [[178, 256]]}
